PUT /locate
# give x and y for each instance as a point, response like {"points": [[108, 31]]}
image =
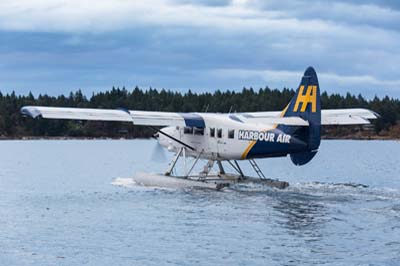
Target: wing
{"points": [[135, 117], [266, 119], [355, 116], [147, 118], [351, 116], [150, 118], [76, 113]]}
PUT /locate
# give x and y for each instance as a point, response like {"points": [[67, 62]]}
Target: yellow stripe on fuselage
{"points": [[253, 142]]}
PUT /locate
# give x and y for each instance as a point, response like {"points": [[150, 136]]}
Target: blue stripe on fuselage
{"points": [[276, 149], [193, 120]]}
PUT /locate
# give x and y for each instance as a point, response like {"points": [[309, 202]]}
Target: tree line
{"points": [[14, 125]]}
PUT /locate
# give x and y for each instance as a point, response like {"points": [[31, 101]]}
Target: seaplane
{"points": [[227, 138]]}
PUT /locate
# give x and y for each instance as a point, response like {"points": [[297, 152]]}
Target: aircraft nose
{"points": [[164, 140]]}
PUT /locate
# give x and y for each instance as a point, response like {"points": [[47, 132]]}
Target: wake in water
{"points": [[124, 182], [328, 191]]}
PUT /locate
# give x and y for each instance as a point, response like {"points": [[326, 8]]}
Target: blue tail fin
{"points": [[306, 104]]}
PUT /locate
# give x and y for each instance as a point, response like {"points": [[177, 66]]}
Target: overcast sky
{"points": [[55, 46]]}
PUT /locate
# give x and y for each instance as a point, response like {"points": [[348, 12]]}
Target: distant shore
{"points": [[361, 138], [123, 138]]}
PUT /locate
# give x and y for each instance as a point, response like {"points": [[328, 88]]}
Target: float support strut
{"points": [[221, 168], [173, 162]]}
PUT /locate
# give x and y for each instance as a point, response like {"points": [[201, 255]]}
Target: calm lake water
{"points": [[58, 206]]}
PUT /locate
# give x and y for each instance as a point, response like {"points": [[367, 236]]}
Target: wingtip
{"points": [[30, 111], [376, 114]]}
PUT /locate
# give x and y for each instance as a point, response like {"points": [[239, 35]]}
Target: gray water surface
{"points": [[58, 207]]}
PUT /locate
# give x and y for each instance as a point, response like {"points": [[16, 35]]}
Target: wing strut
{"points": [[171, 137]]}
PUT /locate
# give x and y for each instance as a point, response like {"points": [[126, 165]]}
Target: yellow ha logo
{"points": [[309, 97]]}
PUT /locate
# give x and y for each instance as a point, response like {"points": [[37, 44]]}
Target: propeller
{"points": [[158, 153]]}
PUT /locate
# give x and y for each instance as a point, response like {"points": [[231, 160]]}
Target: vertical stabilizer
{"points": [[306, 104]]}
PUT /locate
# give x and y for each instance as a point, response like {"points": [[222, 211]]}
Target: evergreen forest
{"points": [[14, 125]]}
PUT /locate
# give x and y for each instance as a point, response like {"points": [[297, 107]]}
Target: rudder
{"points": [[306, 104]]}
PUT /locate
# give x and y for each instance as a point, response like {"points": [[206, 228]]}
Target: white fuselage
{"points": [[222, 138]]}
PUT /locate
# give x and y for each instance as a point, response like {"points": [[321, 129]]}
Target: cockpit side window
{"points": [[188, 130], [198, 131]]}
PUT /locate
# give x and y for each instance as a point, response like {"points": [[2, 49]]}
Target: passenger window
{"points": [[198, 131], [219, 133], [188, 130], [231, 133], [212, 132]]}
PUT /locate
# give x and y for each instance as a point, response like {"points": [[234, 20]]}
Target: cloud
{"points": [[204, 2], [340, 12], [291, 79], [103, 15], [192, 44]]}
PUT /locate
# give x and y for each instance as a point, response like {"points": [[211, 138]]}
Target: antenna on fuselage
{"points": [[230, 109], [208, 105]]}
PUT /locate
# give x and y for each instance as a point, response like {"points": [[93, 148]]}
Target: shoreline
{"points": [[122, 138]]}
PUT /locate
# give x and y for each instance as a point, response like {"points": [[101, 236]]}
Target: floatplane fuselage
{"points": [[225, 139]]}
